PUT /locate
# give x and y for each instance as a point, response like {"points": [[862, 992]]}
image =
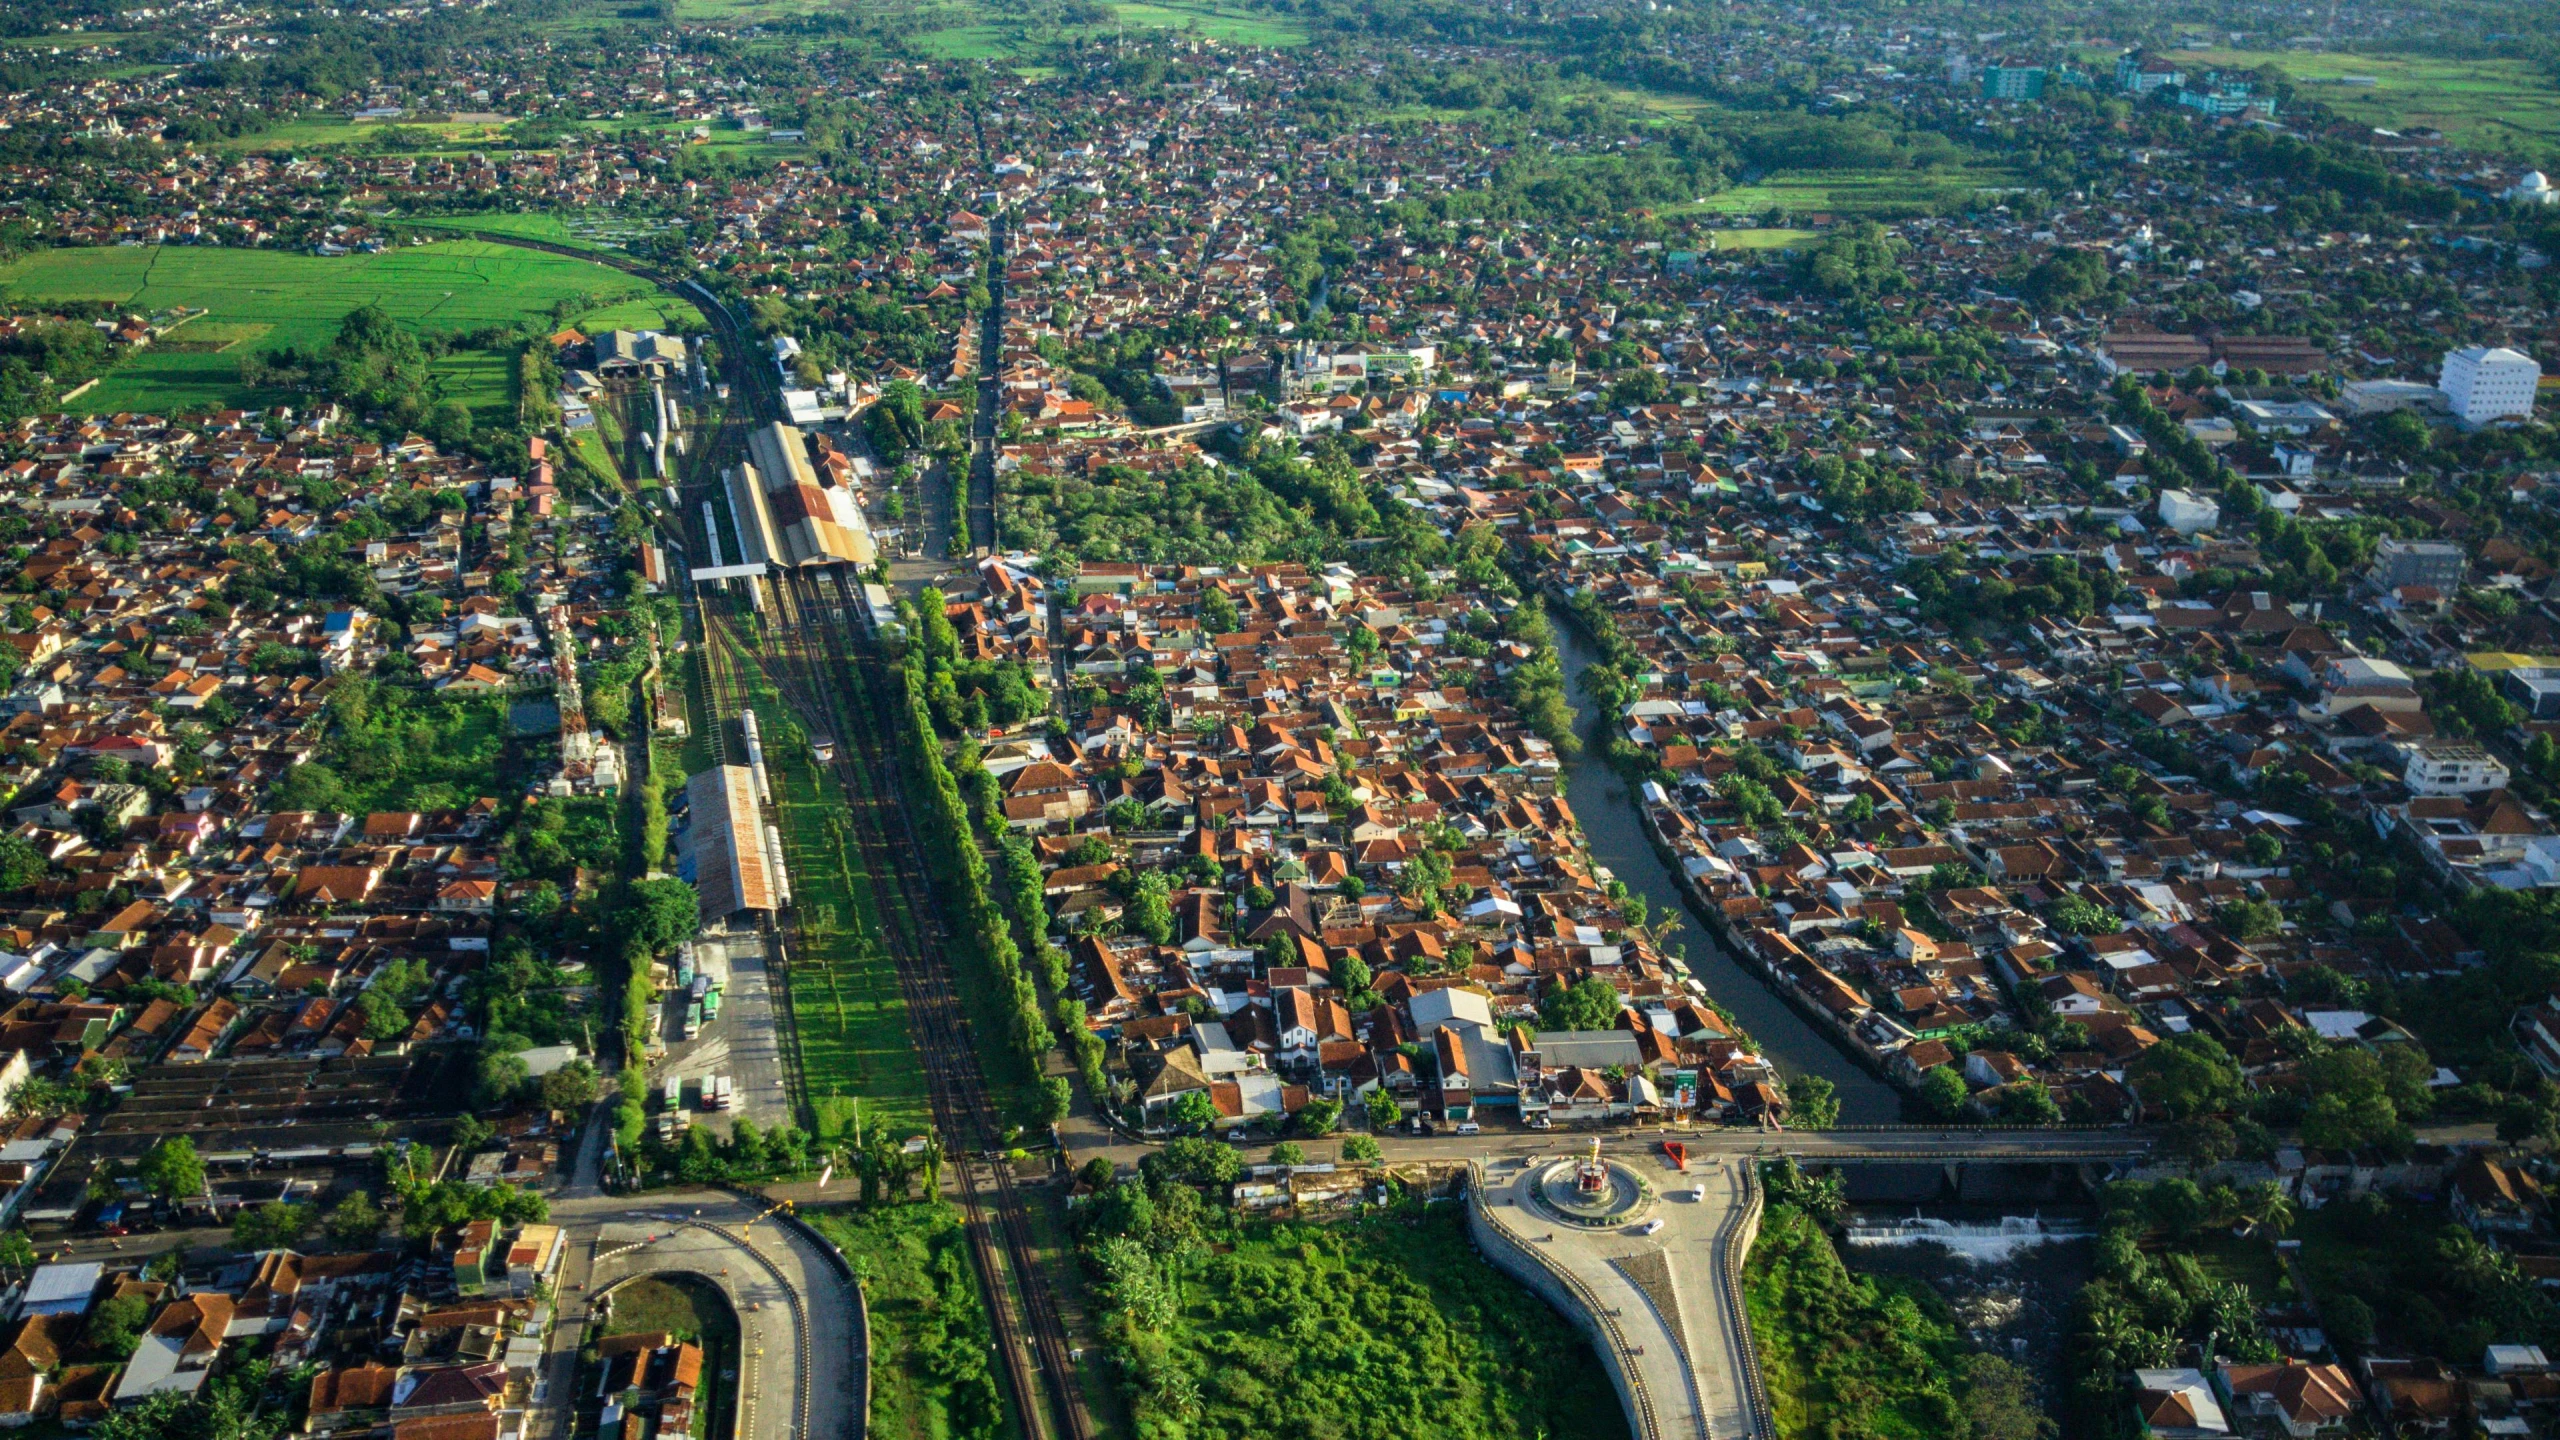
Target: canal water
{"points": [[1615, 828]]}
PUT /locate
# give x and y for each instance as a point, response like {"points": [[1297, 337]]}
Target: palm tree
{"points": [[2264, 1206]]}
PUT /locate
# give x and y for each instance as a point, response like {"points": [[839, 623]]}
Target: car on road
{"points": [[1698, 1193], [1469, 1127], [1650, 1227]]}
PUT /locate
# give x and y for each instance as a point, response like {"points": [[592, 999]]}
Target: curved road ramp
{"points": [[802, 1371], [1648, 1261]]}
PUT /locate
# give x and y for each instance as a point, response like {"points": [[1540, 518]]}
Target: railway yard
{"points": [[813, 653]]}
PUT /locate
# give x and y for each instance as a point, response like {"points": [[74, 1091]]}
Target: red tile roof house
{"points": [[2300, 1400]]}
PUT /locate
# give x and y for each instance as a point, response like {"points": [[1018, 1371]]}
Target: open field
{"points": [[300, 299], [686, 1309], [2498, 106], [336, 132], [66, 40], [1760, 239], [1847, 193]]}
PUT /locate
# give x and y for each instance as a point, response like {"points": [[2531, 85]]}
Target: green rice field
{"points": [[2509, 107], [260, 299]]}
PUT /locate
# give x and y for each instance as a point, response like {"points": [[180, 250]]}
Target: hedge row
{"points": [[961, 870], [1021, 882]]}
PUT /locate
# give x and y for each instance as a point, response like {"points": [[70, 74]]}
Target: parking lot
{"points": [[744, 1043]]}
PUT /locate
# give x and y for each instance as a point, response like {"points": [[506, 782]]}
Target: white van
{"points": [[1469, 1127], [1649, 1227]]}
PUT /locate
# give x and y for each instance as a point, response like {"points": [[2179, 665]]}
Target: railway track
{"points": [[827, 671], [822, 666]]}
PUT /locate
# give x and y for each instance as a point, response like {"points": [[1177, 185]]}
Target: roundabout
{"points": [[1591, 1191]]}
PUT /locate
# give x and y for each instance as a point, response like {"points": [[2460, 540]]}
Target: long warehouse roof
{"points": [[731, 871]]}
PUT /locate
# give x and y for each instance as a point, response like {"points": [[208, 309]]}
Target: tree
{"points": [[2264, 1206], [1352, 974], [115, 1327], [1813, 1103], [1943, 1091], [2521, 1118], [1591, 1004], [2199, 1142], [21, 863], [571, 1087], [1288, 1152], [384, 1017], [2083, 917], [17, 1252], [276, 1225], [2189, 1074], [355, 1222], [2347, 1318], [1999, 1401], [1383, 1111], [1319, 1116], [2028, 1103], [2351, 1105], [2176, 1207], [1360, 1150], [660, 914], [1191, 1160], [172, 1170], [1193, 1110], [2250, 919], [747, 1148], [1056, 1098], [498, 1075]]}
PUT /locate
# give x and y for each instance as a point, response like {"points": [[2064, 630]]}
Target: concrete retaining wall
{"points": [[1746, 1233], [1569, 1298]]}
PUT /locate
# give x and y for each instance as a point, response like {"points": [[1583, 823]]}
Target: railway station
{"points": [[785, 515]]}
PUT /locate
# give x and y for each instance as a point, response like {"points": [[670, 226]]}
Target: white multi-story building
{"points": [[2486, 384], [2449, 767]]}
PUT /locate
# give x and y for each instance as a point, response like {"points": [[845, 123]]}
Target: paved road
{"points": [[1657, 1299], [803, 1361], [1088, 1140]]}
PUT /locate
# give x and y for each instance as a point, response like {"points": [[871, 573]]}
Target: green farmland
{"points": [[261, 299], [577, 230], [2509, 107]]}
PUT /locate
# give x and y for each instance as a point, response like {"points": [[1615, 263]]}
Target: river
{"points": [[1611, 822]]}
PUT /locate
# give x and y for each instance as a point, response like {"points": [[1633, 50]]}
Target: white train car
{"points": [[710, 531], [781, 871], [755, 755]]}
